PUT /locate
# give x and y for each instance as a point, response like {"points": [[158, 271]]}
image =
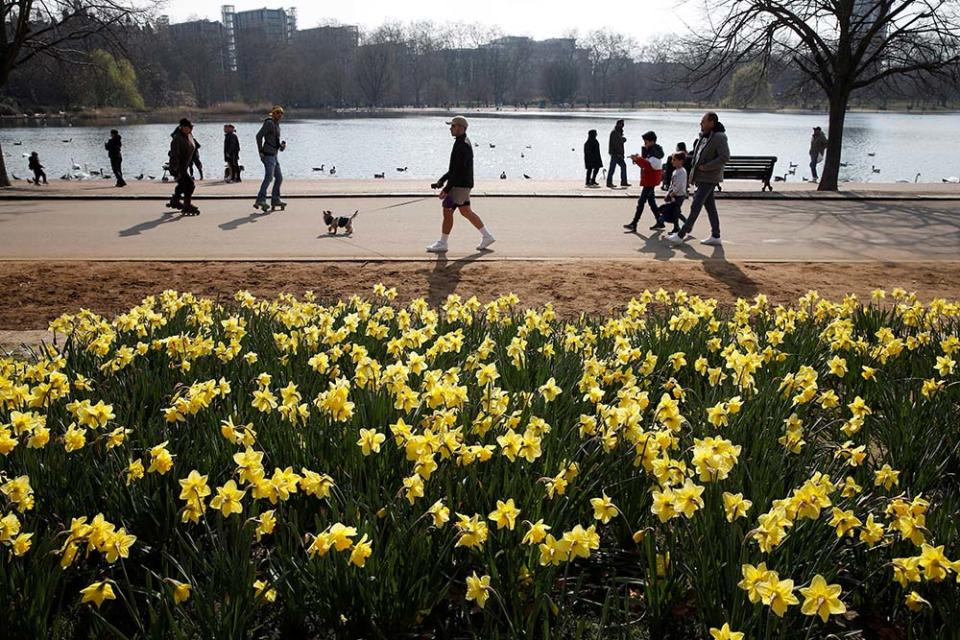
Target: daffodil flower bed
{"points": [[288, 468]]}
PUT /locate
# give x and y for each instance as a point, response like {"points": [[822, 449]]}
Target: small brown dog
{"points": [[343, 222]]}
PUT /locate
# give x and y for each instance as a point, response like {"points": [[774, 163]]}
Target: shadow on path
{"points": [[137, 229], [727, 273], [239, 222], [443, 279]]}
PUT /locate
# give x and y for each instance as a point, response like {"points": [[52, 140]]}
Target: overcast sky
{"points": [[537, 18]]}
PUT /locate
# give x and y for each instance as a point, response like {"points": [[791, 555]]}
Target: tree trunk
{"points": [[829, 178], [4, 180]]}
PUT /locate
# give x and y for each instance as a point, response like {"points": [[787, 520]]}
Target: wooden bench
{"points": [[750, 168]]}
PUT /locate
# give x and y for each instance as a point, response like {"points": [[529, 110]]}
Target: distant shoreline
{"points": [[255, 112]]}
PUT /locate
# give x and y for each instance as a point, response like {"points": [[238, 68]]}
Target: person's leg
{"points": [[695, 206], [277, 181], [447, 226], [189, 186], [813, 168], [269, 163], [588, 178], [118, 172], [613, 166], [710, 204], [623, 171], [470, 215]]}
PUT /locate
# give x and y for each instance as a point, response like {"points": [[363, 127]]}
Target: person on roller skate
{"points": [[269, 146], [182, 148]]}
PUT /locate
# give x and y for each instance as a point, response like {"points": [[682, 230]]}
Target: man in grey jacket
{"points": [[818, 146], [269, 145], [710, 155]]}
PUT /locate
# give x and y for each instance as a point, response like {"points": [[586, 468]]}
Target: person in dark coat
{"points": [[231, 152], [113, 146], [668, 167], [37, 168], [195, 162], [592, 159], [615, 148], [182, 149]]}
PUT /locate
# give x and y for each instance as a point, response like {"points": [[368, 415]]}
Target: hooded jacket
{"points": [[710, 155], [231, 146], [268, 138], [460, 171], [591, 152], [615, 148], [650, 161], [182, 150], [818, 144], [113, 147]]}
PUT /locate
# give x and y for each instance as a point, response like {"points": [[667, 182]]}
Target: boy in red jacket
{"points": [[650, 160]]}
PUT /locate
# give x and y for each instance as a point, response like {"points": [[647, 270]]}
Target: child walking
{"points": [[673, 201], [592, 159], [37, 168], [650, 160]]}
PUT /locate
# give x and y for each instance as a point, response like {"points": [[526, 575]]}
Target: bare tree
{"points": [[57, 29], [839, 45], [608, 53]]}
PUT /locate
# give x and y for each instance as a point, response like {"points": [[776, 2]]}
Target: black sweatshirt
{"points": [[460, 173]]}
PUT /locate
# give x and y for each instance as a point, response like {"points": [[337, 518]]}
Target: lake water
{"points": [[541, 145]]}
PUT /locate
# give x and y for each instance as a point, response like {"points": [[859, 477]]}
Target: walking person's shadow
{"points": [[445, 276], [137, 229], [720, 269]]}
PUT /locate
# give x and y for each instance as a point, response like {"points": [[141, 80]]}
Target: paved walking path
{"points": [[526, 228]]}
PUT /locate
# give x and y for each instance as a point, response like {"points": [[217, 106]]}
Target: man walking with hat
{"points": [[269, 145], [455, 186], [818, 146]]}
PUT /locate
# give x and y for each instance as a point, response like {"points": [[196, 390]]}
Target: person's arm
{"points": [[723, 156], [260, 135]]}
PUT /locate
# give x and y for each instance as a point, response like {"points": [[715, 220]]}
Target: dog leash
{"points": [[398, 204]]}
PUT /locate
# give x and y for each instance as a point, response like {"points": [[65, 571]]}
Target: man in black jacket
{"points": [[231, 152], [617, 154], [455, 187], [116, 158]]}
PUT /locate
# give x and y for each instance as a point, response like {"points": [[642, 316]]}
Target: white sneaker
{"points": [[675, 239], [485, 242], [438, 247], [711, 242]]}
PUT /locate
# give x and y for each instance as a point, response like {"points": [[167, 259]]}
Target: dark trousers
{"points": [[592, 175], [647, 195], [703, 197], [233, 169], [617, 161], [813, 166], [185, 187], [39, 175], [670, 212], [117, 165]]}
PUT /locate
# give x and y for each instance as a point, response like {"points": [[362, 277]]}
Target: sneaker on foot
{"points": [[485, 242], [658, 227], [676, 239], [438, 247], [630, 227], [711, 241]]}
